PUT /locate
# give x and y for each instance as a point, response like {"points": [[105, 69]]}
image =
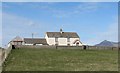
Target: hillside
{"points": [[107, 43]]}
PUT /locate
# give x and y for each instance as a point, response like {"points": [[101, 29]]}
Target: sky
{"points": [[92, 21], [60, 0]]}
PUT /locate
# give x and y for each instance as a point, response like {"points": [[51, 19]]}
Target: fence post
{"points": [[56, 46]]}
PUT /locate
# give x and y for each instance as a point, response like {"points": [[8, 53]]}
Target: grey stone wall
{"points": [[68, 47], [3, 55]]}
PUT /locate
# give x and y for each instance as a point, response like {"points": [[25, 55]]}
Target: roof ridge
{"points": [[66, 32]]}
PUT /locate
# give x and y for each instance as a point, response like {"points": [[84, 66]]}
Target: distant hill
{"points": [[107, 43]]}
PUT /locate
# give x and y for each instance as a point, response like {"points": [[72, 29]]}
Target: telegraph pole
{"points": [[32, 35]]}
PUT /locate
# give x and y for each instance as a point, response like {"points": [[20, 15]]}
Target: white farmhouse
{"points": [[63, 38], [51, 38]]}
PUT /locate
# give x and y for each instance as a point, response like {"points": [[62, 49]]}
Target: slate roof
{"points": [[17, 38], [35, 41], [63, 34]]}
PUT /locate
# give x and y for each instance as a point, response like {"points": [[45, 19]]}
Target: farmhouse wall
{"points": [[62, 41], [51, 41], [72, 40]]}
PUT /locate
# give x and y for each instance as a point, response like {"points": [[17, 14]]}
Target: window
{"points": [[56, 39], [68, 39]]}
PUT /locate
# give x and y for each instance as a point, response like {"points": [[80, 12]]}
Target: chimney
{"points": [[61, 31]]}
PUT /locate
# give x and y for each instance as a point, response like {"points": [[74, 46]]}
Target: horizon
{"points": [[92, 21]]}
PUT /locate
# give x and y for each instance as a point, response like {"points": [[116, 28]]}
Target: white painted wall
{"points": [[39, 44], [72, 40], [62, 41], [8, 44], [28, 44], [50, 41], [15, 43]]}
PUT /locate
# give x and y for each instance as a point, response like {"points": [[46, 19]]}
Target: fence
{"points": [[36, 46], [1, 58], [85, 47], [3, 55], [102, 47]]}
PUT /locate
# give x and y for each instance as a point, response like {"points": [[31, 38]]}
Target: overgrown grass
{"points": [[61, 60]]}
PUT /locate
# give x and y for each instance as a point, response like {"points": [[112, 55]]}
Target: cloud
{"points": [[111, 34], [15, 20], [78, 9], [17, 25], [86, 7], [14, 25], [31, 23], [59, 12]]}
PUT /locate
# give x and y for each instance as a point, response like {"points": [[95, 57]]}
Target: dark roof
{"points": [[63, 34], [35, 41]]}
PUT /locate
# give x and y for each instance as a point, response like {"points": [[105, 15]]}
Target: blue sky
{"points": [[93, 21]]}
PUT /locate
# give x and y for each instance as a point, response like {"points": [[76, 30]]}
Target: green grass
{"points": [[62, 60]]}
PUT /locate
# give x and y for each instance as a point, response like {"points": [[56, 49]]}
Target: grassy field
{"points": [[62, 60]]}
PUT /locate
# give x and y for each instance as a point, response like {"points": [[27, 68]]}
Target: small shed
{"points": [[17, 41]]}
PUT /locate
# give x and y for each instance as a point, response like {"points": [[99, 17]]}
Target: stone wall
{"points": [[3, 55], [68, 47]]}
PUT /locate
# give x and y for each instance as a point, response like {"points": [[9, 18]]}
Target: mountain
{"points": [[107, 43]]}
